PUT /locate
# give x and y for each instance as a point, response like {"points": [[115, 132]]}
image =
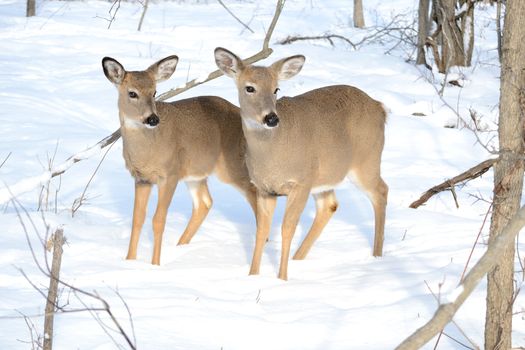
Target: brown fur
{"points": [[322, 137], [194, 138]]}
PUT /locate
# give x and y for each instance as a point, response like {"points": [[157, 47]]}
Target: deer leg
{"points": [[263, 215], [294, 207], [202, 203], [377, 191], [326, 205], [379, 199], [166, 190], [142, 192]]}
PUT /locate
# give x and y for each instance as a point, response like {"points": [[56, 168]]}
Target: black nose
{"points": [[271, 120], [152, 120]]}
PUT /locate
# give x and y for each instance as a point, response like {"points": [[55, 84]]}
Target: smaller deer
{"points": [[164, 143], [306, 144]]}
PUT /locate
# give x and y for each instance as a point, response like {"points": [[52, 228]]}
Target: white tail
{"points": [[306, 144], [165, 143]]}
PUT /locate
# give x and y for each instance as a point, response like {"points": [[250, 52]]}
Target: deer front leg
{"points": [[263, 216], [166, 190], [294, 207], [201, 206], [142, 192]]}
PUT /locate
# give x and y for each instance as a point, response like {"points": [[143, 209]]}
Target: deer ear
{"points": [[288, 67], [113, 70], [228, 62], [164, 68]]}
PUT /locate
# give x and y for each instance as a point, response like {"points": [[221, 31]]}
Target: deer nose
{"points": [[271, 120], [152, 120]]}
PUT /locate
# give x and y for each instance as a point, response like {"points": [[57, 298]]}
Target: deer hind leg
{"points": [[263, 215], [326, 205], [294, 207], [377, 191], [166, 190], [142, 192], [202, 203]]}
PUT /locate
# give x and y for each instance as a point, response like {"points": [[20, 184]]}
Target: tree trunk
{"points": [[508, 175], [359, 19], [30, 9], [452, 49], [422, 30]]}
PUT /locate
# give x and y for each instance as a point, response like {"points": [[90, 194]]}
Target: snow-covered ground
{"points": [[54, 96]]}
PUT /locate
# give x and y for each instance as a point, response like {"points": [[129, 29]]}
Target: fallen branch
{"points": [[446, 311], [449, 184], [9, 192]]}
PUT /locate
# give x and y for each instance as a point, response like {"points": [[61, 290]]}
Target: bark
{"points": [[508, 176], [30, 9], [422, 30], [452, 50], [52, 295], [359, 19]]}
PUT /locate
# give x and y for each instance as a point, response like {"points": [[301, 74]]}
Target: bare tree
{"points": [[423, 30], [447, 37], [30, 8], [359, 18], [508, 175]]}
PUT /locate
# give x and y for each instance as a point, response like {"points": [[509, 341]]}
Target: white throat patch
{"points": [[132, 123]]}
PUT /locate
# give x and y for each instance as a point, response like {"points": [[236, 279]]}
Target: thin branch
{"points": [[290, 39], [5, 159], [446, 311], [7, 193], [79, 201], [448, 185], [264, 53], [144, 10], [233, 15]]}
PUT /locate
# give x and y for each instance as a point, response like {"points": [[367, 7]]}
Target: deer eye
{"points": [[276, 90], [155, 94], [250, 89], [133, 94]]}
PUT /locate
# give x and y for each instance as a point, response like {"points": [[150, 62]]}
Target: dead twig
{"points": [[290, 39], [77, 203], [448, 185], [233, 15], [5, 159]]}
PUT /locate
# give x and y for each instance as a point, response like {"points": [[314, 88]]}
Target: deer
{"points": [[165, 143], [307, 144]]}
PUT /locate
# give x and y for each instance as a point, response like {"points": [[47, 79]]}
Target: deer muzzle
{"points": [[271, 120], [152, 121]]}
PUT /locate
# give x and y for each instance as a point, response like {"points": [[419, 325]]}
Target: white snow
{"points": [[53, 94]]}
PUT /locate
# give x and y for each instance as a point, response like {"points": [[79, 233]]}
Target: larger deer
{"points": [[164, 143], [306, 144]]}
